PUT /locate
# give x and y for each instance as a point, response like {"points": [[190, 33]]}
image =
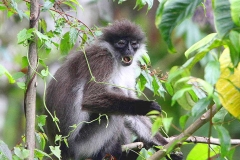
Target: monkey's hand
{"points": [[155, 106]]}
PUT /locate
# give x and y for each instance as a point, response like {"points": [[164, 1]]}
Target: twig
{"points": [[132, 146], [184, 135], [67, 15], [197, 139]]}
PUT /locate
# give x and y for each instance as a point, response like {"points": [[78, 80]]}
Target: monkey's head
{"points": [[125, 38]]}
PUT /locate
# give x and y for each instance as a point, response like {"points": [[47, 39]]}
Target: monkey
{"points": [[100, 80]]}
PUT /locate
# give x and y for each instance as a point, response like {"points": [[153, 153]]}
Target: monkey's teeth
{"points": [[127, 59]]}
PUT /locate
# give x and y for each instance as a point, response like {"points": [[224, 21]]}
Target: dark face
{"points": [[126, 49]]}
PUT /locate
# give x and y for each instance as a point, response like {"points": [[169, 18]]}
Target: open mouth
{"points": [[127, 60]]}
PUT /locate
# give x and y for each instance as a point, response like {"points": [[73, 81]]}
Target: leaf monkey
{"points": [[101, 80]]}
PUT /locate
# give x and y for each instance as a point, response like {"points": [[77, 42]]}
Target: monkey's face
{"points": [[125, 50]]}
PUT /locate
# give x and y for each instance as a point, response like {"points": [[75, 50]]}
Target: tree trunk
{"points": [[30, 95]]}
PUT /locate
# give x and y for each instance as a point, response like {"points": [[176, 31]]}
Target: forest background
{"points": [[194, 20]]}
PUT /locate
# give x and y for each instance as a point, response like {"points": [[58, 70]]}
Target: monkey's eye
{"points": [[134, 44], [121, 43]]}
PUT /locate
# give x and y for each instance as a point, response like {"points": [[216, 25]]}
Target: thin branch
{"points": [[67, 15], [185, 134], [197, 139], [132, 146]]}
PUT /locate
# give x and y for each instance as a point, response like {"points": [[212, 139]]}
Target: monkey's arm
{"points": [[101, 101]]}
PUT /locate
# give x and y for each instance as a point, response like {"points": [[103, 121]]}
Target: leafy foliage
{"points": [[193, 94]]}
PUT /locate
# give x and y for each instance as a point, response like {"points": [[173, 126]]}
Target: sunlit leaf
{"points": [[235, 11], [167, 123], [3, 70], [199, 49], [56, 151], [228, 85], [183, 120], [200, 152], [40, 154], [156, 125], [22, 153]]}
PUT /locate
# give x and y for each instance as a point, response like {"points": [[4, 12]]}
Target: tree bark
{"points": [[30, 95]]}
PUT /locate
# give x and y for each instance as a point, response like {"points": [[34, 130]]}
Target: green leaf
{"points": [[146, 58], [70, 5], [234, 46], [205, 86], [200, 152], [199, 49], [73, 34], [44, 72], [141, 82], [21, 152], [167, 123], [43, 25], [65, 44], [41, 120], [40, 154], [225, 140], [21, 85], [155, 85], [56, 151], [41, 36], [183, 120], [235, 11], [3, 70], [24, 35], [156, 125], [219, 116], [174, 12], [47, 5], [141, 3], [41, 138], [18, 75], [24, 62], [169, 88], [212, 72], [200, 107], [180, 93], [222, 17]]}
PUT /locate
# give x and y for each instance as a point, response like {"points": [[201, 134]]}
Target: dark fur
{"points": [[75, 98]]}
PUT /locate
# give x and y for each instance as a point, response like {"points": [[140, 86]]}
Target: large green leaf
{"points": [[235, 11], [200, 152], [173, 13], [223, 19], [199, 49], [228, 85]]}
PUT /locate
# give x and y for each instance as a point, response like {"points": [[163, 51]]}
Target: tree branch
{"points": [[185, 134], [197, 139], [134, 146], [30, 94]]}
